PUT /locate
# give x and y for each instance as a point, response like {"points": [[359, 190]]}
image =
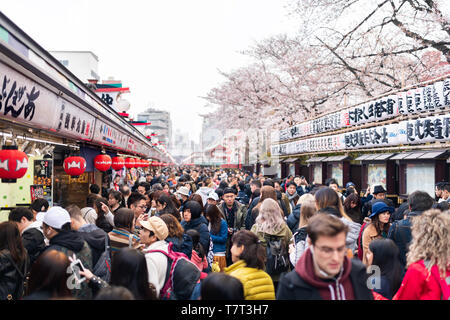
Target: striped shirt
{"points": [[121, 238]]}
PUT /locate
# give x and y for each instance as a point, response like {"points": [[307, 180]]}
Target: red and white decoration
{"points": [[102, 162], [130, 163], [118, 163], [13, 164], [74, 166]]}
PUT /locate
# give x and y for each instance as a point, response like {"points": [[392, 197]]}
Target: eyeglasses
{"points": [[329, 251]]}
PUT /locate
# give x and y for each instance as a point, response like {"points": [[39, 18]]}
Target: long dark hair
{"points": [[385, 256], [215, 217], [101, 215], [49, 273], [254, 254], [169, 208], [11, 240], [129, 269], [196, 245], [379, 226]]}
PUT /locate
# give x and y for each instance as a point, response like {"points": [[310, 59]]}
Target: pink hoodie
{"points": [[195, 259]]}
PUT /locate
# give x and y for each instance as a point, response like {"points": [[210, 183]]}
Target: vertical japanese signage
{"points": [[43, 175]]}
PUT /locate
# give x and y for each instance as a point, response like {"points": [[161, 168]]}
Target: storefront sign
{"points": [[73, 121], [43, 176], [110, 136], [37, 192]]}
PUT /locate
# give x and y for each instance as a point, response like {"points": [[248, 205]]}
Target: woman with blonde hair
{"points": [[428, 258], [267, 192], [269, 227]]}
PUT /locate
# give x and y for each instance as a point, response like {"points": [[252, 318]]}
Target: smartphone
{"points": [[76, 266]]}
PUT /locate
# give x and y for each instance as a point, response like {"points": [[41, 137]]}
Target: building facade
{"points": [[161, 125]]}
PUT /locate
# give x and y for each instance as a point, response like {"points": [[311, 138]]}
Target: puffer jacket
{"points": [[11, 281], [257, 284], [294, 218], [353, 233], [199, 225]]}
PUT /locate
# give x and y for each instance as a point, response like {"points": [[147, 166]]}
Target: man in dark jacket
{"points": [[400, 231], [242, 195], [57, 229], [31, 231], [93, 235], [324, 272], [379, 194]]}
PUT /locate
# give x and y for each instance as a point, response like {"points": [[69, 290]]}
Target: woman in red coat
{"points": [[428, 259]]}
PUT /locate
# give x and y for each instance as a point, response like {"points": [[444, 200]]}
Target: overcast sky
{"points": [[167, 51]]}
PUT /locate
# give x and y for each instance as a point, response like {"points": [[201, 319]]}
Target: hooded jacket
{"points": [[303, 284], [95, 237], [199, 225], [182, 245], [203, 192], [70, 242], [294, 218], [353, 233]]}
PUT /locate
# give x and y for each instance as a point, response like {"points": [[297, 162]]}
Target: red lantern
{"points": [[118, 163], [137, 163], [102, 162], [74, 166], [146, 163], [13, 164], [129, 163]]}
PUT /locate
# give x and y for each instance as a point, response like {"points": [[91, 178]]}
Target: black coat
{"points": [[293, 287], [33, 241], [11, 280]]}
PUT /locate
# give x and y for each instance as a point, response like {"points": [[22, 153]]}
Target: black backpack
{"points": [[102, 268], [277, 255]]}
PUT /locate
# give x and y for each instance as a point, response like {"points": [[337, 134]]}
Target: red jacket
{"points": [[421, 284]]}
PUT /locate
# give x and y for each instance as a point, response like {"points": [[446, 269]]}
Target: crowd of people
{"points": [[214, 234]]}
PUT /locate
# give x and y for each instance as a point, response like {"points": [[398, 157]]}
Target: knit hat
{"points": [[379, 207], [158, 226], [56, 217]]}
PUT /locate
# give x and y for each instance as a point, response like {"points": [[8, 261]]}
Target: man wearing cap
{"points": [[379, 194], [183, 194], [153, 235], [213, 199], [378, 228], [57, 229]]}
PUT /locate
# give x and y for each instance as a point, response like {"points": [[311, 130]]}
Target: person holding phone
{"points": [[57, 229]]}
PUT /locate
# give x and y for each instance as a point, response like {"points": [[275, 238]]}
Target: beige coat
{"points": [[369, 234]]}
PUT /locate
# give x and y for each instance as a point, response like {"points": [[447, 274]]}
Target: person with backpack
{"points": [[275, 236], [97, 239], [198, 256], [57, 228], [427, 276], [172, 274], [248, 256], [14, 262]]}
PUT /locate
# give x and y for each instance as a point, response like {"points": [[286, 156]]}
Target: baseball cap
{"points": [[56, 217], [158, 226], [213, 195]]}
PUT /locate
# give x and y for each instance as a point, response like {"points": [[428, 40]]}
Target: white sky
{"points": [[167, 51]]}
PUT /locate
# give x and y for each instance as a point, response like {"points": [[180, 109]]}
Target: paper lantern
{"points": [[102, 162], [118, 163], [74, 166], [137, 163], [13, 164], [129, 163]]}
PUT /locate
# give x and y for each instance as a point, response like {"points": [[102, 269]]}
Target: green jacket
{"points": [[239, 216]]}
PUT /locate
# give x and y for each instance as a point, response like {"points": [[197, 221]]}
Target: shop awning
{"points": [[414, 155], [375, 156], [363, 157], [336, 158], [434, 154], [316, 159], [289, 160], [400, 156]]}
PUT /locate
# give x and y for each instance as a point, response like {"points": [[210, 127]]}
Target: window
{"points": [[420, 176], [376, 175], [317, 174], [336, 173]]}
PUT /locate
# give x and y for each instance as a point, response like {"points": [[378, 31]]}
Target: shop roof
{"points": [[316, 159], [336, 158], [400, 156], [290, 160], [414, 155], [434, 154], [363, 157], [384, 156]]}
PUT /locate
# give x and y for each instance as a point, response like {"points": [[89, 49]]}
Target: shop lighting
{"points": [[5, 136]]}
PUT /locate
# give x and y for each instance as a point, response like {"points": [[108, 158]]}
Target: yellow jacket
{"points": [[257, 284]]}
